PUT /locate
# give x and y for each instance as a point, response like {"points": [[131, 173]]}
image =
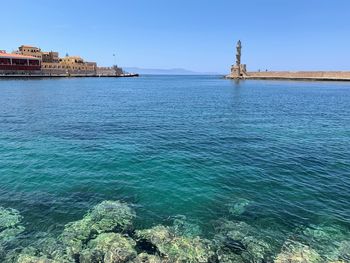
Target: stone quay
{"points": [[239, 71]]}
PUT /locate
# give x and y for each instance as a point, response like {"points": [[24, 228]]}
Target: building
{"points": [[70, 65], [30, 60], [50, 57], [30, 51], [52, 64], [75, 62], [19, 64]]}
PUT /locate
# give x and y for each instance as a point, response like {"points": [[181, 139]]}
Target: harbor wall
{"points": [[66, 72], [19, 72], [98, 71], [300, 75], [105, 71]]}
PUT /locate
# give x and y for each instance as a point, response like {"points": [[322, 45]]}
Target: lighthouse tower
{"points": [[238, 70]]}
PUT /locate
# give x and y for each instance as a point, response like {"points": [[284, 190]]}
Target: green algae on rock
{"points": [[51, 248], [344, 251], [103, 236], [175, 248], [109, 248], [111, 216], [75, 235], [10, 227], [239, 206], [85, 238], [239, 242], [46, 250], [295, 252], [147, 258], [9, 217], [23, 258], [108, 216], [183, 227], [331, 241], [10, 234]]}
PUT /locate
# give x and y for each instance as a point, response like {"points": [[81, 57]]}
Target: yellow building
{"points": [[50, 57], [77, 63], [30, 51], [70, 65], [52, 64]]}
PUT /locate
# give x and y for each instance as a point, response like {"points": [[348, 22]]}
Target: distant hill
{"points": [[174, 71]]}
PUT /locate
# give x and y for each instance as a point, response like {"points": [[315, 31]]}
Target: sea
{"points": [[274, 155]]}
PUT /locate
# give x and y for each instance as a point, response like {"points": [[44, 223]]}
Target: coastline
{"points": [[129, 75]]}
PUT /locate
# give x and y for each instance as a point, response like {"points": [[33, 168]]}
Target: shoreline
{"points": [[68, 76]]}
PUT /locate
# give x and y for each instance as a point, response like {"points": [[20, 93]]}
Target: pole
{"points": [[115, 60]]}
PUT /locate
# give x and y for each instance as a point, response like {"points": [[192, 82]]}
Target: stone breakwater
{"points": [[297, 75], [106, 234]]}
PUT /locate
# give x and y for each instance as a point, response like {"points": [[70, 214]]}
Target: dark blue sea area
{"points": [[174, 169]]}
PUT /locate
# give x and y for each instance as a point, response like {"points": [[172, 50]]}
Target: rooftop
{"points": [[10, 55], [28, 46]]}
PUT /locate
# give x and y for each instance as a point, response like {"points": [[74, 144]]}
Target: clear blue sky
{"points": [[198, 35]]}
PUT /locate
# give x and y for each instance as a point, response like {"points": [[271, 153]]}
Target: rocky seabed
{"points": [[106, 234]]}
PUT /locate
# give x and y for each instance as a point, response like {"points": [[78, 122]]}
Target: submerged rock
{"points": [[103, 236], [182, 227], [51, 248], [10, 234], [332, 242], [45, 250], [10, 228], [9, 218], [239, 242], [294, 252], [23, 258], [235, 246], [147, 258], [2, 252], [87, 235], [75, 235], [109, 248], [344, 251], [239, 206], [108, 216], [111, 216], [169, 246]]}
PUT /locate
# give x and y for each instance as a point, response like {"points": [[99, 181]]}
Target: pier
{"points": [[300, 75], [239, 71]]}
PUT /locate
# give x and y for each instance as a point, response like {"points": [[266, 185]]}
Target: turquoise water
{"points": [[275, 154]]}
